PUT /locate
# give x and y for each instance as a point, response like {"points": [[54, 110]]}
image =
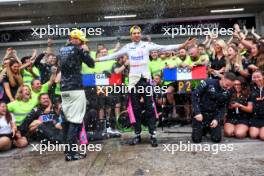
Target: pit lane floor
{"points": [[117, 158]]}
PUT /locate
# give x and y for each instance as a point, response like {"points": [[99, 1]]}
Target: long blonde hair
{"points": [[223, 45], [10, 75], [238, 60], [19, 95]]}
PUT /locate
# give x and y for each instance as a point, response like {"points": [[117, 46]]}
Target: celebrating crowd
{"points": [[37, 90]]}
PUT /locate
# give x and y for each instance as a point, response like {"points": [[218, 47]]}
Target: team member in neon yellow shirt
{"points": [[169, 62], [22, 105], [185, 60], [197, 59], [37, 88], [30, 72], [182, 60], [155, 64], [102, 46], [100, 67]]}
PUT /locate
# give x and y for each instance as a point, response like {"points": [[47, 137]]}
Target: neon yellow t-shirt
{"points": [[35, 95], [28, 77], [203, 58], [187, 61], [155, 66], [20, 109], [58, 89], [99, 66], [104, 66], [87, 70]]}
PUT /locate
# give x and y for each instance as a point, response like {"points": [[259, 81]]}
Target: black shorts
{"points": [[236, 121], [256, 122], [7, 135], [104, 101], [116, 99]]}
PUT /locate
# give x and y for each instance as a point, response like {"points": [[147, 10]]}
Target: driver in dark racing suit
{"points": [[72, 93]]}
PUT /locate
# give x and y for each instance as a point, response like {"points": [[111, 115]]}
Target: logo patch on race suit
{"points": [[46, 118]]}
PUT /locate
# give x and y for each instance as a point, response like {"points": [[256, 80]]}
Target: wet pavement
{"points": [[117, 158]]}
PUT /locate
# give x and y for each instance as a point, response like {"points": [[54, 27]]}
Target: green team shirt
{"points": [[20, 109], [104, 66], [99, 66], [155, 66], [93, 54], [58, 89], [35, 95], [202, 59], [87, 70], [28, 77], [187, 61]]}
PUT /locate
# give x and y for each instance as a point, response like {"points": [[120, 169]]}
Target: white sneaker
{"points": [[113, 133], [117, 132], [110, 130]]}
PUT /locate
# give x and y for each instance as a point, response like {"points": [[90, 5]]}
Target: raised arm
{"points": [[49, 47], [86, 58], [117, 46], [37, 62], [254, 33], [121, 52], [32, 60], [154, 46], [242, 37]]}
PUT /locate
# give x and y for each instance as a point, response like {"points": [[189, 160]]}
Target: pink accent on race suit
{"points": [[131, 114], [83, 136]]}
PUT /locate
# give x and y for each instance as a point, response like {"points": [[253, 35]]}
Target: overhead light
{"points": [[14, 22], [227, 10], [120, 16], [12, 0]]}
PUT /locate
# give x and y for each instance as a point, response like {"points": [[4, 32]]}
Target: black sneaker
{"points": [[136, 140], [74, 157], [154, 142]]}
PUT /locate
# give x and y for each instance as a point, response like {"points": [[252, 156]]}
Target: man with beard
{"points": [[44, 113]]}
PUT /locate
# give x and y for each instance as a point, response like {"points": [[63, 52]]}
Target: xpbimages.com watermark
{"points": [[148, 90], [195, 31], [191, 147], [63, 31], [50, 147]]}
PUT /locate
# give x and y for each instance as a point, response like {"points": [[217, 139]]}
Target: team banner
{"points": [[101, 79], [181, 74]]}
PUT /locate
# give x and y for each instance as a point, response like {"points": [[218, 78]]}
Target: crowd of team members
{"points": [[30, 95]]}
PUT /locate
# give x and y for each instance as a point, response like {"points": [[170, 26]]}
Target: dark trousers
{"points": [[201, 128], [148, 107], [71, 133]]}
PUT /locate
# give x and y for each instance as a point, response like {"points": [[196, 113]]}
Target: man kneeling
{"points": [[209, 101], [44, 121]]}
